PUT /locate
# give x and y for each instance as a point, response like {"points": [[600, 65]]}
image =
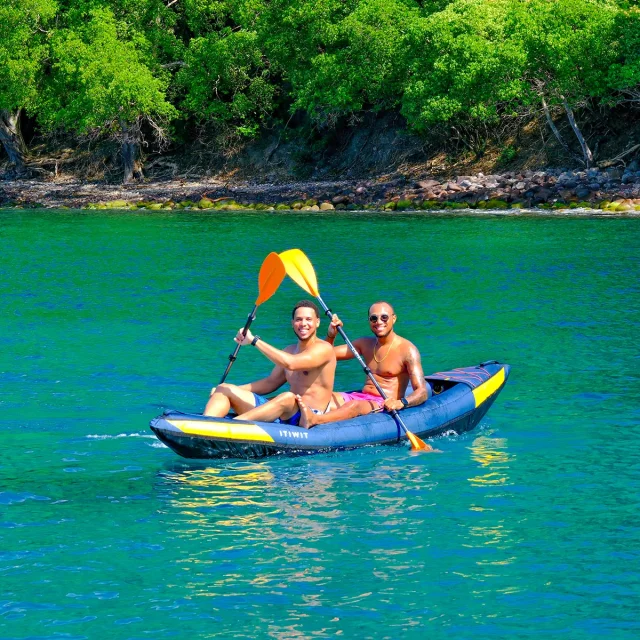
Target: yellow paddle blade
{"points": [[417, 444], [272, 273], [300, 270]]}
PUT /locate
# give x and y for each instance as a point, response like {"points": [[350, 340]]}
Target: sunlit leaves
{"points": [[24, 34], [100, 81]]}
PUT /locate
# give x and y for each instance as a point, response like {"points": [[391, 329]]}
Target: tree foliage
{"points": [[24, 34], [101, 81], [105, 66]]}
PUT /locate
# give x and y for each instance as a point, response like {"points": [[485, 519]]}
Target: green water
{"points": [[527, 527]]}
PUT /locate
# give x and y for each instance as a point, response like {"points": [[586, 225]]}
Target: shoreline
{"points": [[595, 191]]}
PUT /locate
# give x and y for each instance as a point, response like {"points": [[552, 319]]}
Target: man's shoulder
{"points": [[322, 345], [406, 345]]}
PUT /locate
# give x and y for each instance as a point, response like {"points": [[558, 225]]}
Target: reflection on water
{"points": [[487, 532], [493, 458]]}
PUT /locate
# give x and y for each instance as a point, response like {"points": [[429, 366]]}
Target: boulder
{"points": [[582, 192], [428, 184], [326, 206]]}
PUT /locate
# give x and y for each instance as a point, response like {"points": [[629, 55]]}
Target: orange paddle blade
{"points": [[272, 273], [417, 444], [300, 270]]}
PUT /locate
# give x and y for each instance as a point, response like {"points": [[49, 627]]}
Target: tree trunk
{"points": [[553, 127], [586, 152], [130, 155], [128, 159], [11, 138]]}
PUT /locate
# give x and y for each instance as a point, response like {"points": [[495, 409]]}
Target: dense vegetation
{"points": [[147, 71]]}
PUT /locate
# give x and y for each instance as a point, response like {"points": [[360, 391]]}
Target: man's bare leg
{"points": [[282, 406], [228, 396], [351, 409]]}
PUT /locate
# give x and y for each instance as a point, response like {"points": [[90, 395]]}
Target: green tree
{"points": [[624, 74], [226, 79], [570, 46], [102, 83], [464, 67], [364, 63], [23, 50]]}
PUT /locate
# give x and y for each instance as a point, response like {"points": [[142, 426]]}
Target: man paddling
{"points": [[308, 366], [393, 360]]}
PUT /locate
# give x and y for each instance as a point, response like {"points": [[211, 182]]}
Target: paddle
{"points": [[272, 273], [301, 271]]}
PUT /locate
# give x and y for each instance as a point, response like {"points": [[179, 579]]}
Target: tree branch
{"points": [[586, 152]]}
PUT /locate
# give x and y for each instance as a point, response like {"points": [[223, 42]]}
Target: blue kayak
{"points": [[460, 399]]}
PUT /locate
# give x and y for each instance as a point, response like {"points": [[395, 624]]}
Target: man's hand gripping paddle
{"points": [[300, 270], [272, 273]]}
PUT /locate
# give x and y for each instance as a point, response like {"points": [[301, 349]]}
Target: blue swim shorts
{"points": [[294, 420]]}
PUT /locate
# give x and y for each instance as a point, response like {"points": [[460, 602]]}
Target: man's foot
{"points": [[307, 417]]}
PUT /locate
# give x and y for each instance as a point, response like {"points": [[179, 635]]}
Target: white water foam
{"points": [[97, 436]]}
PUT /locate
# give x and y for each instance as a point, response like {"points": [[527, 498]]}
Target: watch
{"points": [[255, 339], [405, 402]]}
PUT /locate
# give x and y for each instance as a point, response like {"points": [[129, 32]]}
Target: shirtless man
{"points": [[308, 366], [393, 360]]}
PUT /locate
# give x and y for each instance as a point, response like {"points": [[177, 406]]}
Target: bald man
{"points": [[393, 360]]}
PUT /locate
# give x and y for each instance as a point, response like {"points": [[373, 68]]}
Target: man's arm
{"points": [[266, 385], [314, 357], [416, 375], [342, 351]]}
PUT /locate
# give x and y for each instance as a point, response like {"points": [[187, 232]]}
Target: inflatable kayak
{"points": [[460, 399]]}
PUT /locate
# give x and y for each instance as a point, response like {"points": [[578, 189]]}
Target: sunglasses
{"points": [[374, 318]]}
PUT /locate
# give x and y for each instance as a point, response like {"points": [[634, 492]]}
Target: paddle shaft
{"points": [[234, 355], [363, 364]]}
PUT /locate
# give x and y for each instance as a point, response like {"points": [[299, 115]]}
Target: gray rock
{"points": [[520, 185], [541, 195], [583, 191], [428, 184]]}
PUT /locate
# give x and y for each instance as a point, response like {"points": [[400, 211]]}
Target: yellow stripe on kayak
{"points": [[489, 387], [228, 430]]}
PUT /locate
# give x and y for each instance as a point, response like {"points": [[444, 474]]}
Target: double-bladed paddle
{"points": [[272, 273], [300, 270]]}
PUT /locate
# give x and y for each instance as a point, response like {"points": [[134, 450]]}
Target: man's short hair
{"points": [[307, 304], [382, 302]]}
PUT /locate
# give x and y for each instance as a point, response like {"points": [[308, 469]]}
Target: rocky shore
{"points": [[614, 190]]}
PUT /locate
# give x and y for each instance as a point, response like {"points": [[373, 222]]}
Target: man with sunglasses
{"points": [[393, 360], [308, 366]]}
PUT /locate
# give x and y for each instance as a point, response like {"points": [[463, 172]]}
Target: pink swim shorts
{"points": [[359, 395]]}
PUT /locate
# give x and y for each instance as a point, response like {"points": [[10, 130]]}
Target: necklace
{"points": [[388, 351]]}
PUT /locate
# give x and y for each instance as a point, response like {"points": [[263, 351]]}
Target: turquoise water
{"points": [[526, 527]]}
